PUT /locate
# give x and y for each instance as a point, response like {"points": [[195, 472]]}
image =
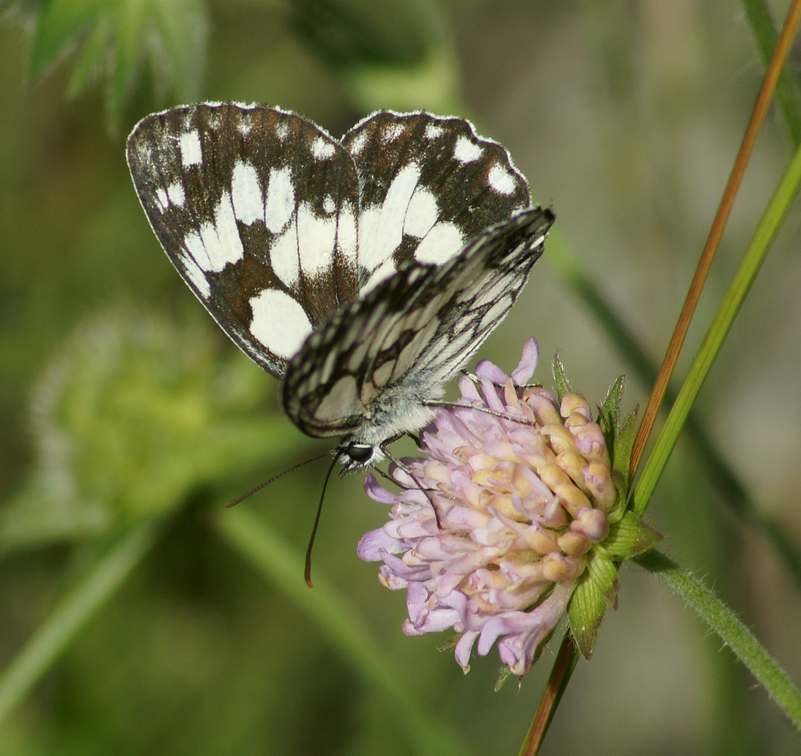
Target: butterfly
{"points": [[363, 272]]}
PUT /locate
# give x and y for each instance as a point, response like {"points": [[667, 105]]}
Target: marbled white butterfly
{"points": [[364, 271]]}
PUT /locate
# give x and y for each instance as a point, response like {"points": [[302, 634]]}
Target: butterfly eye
{"points": [[359, 452]]}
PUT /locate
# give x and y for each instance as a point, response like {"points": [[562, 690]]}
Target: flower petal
{"points": [[528, 362]]}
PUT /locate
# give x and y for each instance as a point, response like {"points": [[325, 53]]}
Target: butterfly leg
{"points": [[485, 410], [399, 463]]}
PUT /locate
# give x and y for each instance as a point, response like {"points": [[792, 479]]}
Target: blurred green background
{"points": [[129, 418]]}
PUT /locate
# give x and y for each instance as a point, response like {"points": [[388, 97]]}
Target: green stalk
{"points": [[764, 235], [279, 564], [725, 624], [76, 608], [730, 488]]}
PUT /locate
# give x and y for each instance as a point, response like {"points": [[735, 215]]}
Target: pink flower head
{"points": [[519, 503]]}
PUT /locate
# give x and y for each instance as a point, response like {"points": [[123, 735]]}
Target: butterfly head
{"points": [[355, 455]]}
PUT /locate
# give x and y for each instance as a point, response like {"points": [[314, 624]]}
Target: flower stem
{"points": [[766, 231], [729, 487], [73, 612], [276, 562], [559, 677], [563, 667], [722, 620], [716, 230]]}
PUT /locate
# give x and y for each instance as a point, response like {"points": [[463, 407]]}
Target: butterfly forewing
{"points": [[428, 186], [258, 209], [400, 342]]}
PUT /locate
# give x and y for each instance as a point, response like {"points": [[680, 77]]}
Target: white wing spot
{"points": [[284, 256], [342, 400], [194, 245], [466, 151], [221, 238], [279, 322], [422, 213], [246, 193], [441, 243], [346, 232], [175, 193], [328, 204], [321, 149], [433, 131], [280, 199], [191, 153], [381, 228], [161, 198], [316, 240], [196, 276], [392, 132], [501, 180], [357, 145], [282, 130]]}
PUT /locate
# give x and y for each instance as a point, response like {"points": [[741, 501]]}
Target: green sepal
{"points": [[609, 411], [596, 588], [625, 434], [504, 673], [620, 452], [560, 380], [629, 537]]}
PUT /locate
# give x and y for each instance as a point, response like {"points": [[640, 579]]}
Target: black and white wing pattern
{"points": [[371, 368], [365, 271], [257, 208], [427, 186]]}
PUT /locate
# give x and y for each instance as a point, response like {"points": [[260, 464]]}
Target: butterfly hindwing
{"points": [[428, 185], [257, 208], [395, 347]]}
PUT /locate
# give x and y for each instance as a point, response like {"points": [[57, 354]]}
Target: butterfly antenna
{"points": [[265, 483], [307, 570]]}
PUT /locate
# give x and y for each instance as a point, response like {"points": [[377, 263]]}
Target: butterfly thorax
{"points": [[395, 413]]}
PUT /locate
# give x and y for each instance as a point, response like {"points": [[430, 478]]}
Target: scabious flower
{"points": [[491, 528]]}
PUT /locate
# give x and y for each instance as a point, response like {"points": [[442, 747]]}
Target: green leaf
{"points": [[131, 29], [590, 599], [177, 52], [725, 623], [120, 41], [787, 93], [91, 58], [629, 537], [61, 25], [560, 380]]}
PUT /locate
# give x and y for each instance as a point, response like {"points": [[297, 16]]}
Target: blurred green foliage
{"points": [[118, 40], [122, 401], [132, 397]]}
